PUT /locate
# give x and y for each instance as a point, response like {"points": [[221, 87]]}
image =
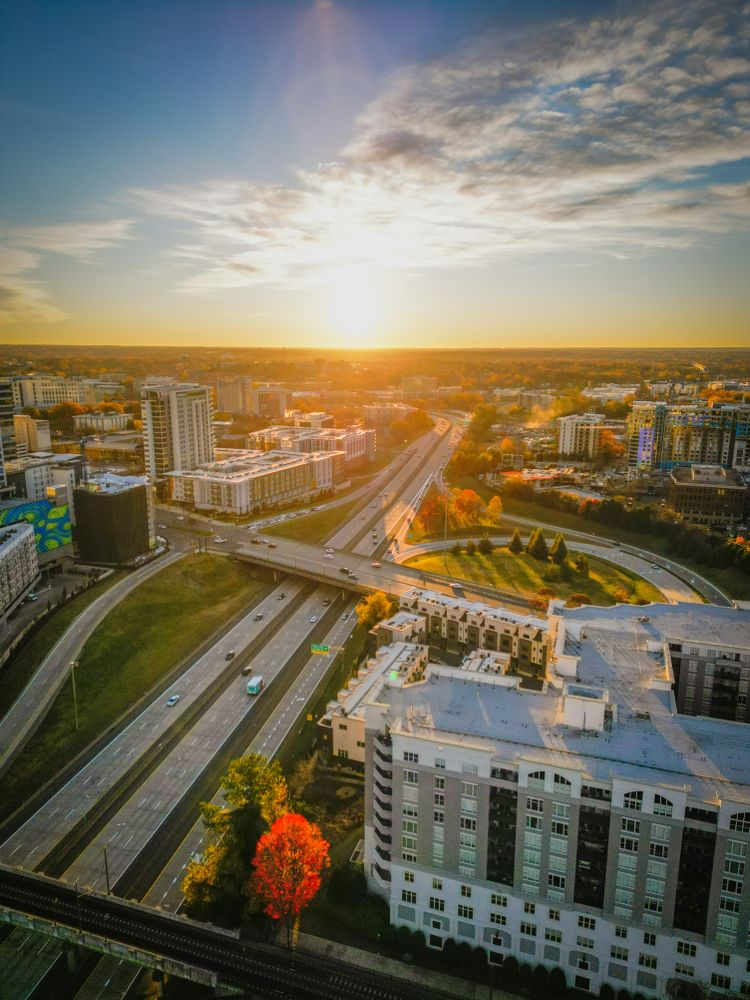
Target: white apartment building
{"points": [[41, 471], [240, 482], [101, 423], [610, 392], [357, 443], [178, 431], [47, 390], [268, 401], [19, 567], [234, 395], [579, 434], [537, 399], [383, 414], [31, 435], [586, 825]]}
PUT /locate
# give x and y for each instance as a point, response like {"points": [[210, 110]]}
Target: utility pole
{"points": [[75, 695]]}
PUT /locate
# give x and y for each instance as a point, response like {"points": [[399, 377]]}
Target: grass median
{"points": [[605, 583], [315, 527], [140, 641]]}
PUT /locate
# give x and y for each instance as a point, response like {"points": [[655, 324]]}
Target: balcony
{"points": [[383, 755], [385, 855], [383, 837], [385, 806], [382, 820], [381, 789], [385, 775], [382, 873]]}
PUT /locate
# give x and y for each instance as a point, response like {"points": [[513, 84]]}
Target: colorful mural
{"points": [[51, 524]]}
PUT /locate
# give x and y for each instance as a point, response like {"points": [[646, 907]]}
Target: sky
{"points": [[351, 174]]}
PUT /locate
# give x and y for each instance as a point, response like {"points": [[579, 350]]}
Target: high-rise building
{"points": [[7, 425], [580, 434], [234, 395], [47, 390], [178, 432], [585, 823], [661, 435], [268, 401], [114, 519], [19, 566]]}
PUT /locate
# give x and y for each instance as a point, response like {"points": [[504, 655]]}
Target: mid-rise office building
{"points": [[357, 443], [114, 519], [586, 824], [44, 391], [19, 566], [31, 435], [709, 494], [610, 392], [240, 481], [31, 477], [537, 399], [178, 431], [661, 435], [268, 401], [383, 414], [100, 423], [419, 386], [234, 395], [316, 419], [99, 390], [580, 434]]}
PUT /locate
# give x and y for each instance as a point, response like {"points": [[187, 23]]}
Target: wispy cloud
{"points": [[601, 136], [23, 296]]}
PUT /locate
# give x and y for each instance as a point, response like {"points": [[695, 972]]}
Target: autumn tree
{"points": [[288, 863], [61, 417], [581, 564], [537, 545], [485, 546], [375, 608], [516, 543], [495, 509], [468, 505], [432, 512]]}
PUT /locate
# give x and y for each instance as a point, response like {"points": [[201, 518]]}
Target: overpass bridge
{"points": [[202, 953]]}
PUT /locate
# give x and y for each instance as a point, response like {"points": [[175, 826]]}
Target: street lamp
{"points": [[73, 664]]}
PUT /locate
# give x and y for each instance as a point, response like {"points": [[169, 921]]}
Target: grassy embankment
{"points": [[605, 584], [314, 528], [141, 640]]}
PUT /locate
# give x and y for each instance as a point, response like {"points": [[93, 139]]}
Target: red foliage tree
{"points": [[288, 863]]}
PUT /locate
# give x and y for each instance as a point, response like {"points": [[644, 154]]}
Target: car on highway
{"points": [[330, 550], [375, 565], [313, 619], [344, 570], [255, 541], [180, 517], [326, 602], [328, 556], [281, 596], [161, 526], [230, 655], [32, 598], [259, 616], [345, 616], [272, 545], [172, 700], [219, 540]]}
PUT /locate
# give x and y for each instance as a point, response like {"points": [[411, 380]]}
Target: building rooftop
{"points": [[621, 670], [111, 483], [707, 475], [235, 465]]}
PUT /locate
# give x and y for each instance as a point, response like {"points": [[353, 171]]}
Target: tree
{"points": [[559, 551], [61, 415], [471, 548], [536, 545], [467, 505], [558, 984], [582, 564], [288, 863], [456, 548], [516, 544], [254, 781], [577, 600], [495, 509], [485, 546], [376, 608]]}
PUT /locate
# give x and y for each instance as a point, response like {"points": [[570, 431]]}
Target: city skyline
{"points": [[341, 175]]}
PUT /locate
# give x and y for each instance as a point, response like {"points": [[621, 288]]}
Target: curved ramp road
{"points": [[26, 713]]}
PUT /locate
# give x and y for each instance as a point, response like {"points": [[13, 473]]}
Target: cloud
{"points": [[596, 136], [23, 298]]}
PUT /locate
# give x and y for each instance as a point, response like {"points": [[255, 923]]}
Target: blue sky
{"points": [[361, 174]]}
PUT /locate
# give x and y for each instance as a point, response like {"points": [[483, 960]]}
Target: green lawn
{"points": [[144, 637], [315, 527], [525, 576], [30, 653]]}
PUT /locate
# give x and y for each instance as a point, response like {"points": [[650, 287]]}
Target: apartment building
{"points": [[537, 399], [8, 450], [35, 475], [357, 443], [709, 494], [30, 434], [178, 432], [580, 434], [240, 482], [661, 435], [587, 825], [383, 414], [316, 419], [610, 392], [19, 566], [234, 395], [43, 391], [101, 423], [268, 401], [459, 625]]}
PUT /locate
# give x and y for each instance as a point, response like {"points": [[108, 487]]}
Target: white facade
{"points": [[383, 414], [357, 443], [31, 435], [19, 567], [47, 390], [579, 434], [178, 432], [101, 423]]}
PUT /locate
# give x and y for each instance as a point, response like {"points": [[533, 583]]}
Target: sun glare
{"points": [[353, 309]]}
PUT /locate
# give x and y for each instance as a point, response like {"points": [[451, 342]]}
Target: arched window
{"points": [[633, 800], [662, 806], [562, 785], [740, 822], [536, 779]]}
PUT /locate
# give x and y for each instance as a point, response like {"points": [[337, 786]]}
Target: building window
{"points": [[529, 930], [437, 904], [720, 982], [662, 806], [439, 762], [686, 948], [553, 935], [649, 939], [439, 782], [439, 798], [630, 825], [467, 912], [498, 900], [408, 876], [470, 769], [647, 961], [437, 883], [469, 788], [621, 932], [408, 896], [722, 958], [529, 908], [618, 952], [466, 891], [740, 822], [438, 817], [411, 778], [554, 914], [535, 805], [633, 800], [681, 969], [498, 918], [587, 923], [411, 758]]}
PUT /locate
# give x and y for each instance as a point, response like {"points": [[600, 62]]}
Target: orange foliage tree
{"points": [[288, 863]]}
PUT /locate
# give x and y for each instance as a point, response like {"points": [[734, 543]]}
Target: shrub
{"points": [[516, 544], [558, 984], [389, 938], [623, 995], [606, 992], [510, 971], [540, 980], [525, 974], [536, 545], [470, 548], [347, 884], [485, 546]]}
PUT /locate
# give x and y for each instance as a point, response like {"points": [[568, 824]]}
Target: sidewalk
{"points": [[447, 986]]}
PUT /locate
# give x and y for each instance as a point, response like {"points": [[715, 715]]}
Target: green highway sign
{"points": [[317, 648]]}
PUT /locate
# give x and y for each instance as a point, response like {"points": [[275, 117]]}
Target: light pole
{"points": [[75, 694]]}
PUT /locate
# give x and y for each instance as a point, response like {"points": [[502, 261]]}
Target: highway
{"points": [[32, 704]]}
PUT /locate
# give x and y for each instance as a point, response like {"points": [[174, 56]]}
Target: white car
{"points": [[328, 556], [313, 619], [172, 700]]}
